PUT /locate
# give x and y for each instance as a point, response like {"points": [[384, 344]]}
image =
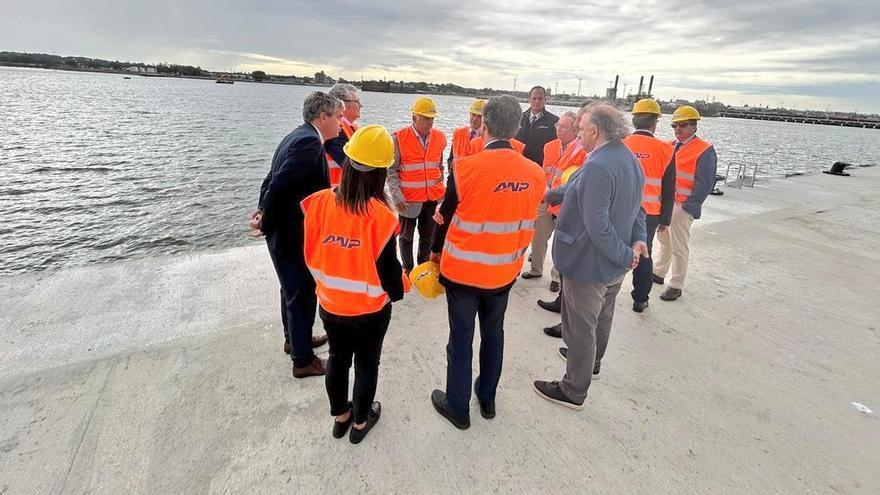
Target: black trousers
{"points": [[298, 299], [464, 305], [360, 337], [425, 224], [643, 275]]}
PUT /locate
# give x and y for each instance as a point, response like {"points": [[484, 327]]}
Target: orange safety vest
{"points": [[574, 156], [334, 168], [654, 155], [461, 142], [341, 250], [686, 167], [478, 143], [498, 191], [421, 175]]}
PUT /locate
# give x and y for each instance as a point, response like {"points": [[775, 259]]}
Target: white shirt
{"points": [[422, 140], [535, 116], [320, 136]]}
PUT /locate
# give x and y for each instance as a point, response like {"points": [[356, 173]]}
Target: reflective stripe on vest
{"points": [[414, 185], [492, 227], [347, 284], [483, 258], [686, 159], [650, 199], [419, 166]]}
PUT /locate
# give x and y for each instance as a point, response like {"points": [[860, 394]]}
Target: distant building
{"points": [[132, 68], [151, 70]]}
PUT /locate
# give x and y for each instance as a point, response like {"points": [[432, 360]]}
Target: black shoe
{"points": [[487, 409], [554, 286], [530, 274], [670, 294], [554, 331], [550, 391], [554, 306], [596, 369], [658, 280], [640, 307], [563, 353], [355, 435], [339, 429], [438, 398]]}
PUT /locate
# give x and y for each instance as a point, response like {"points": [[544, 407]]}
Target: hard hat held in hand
{"points": [[426, 279], [685, 112], [371, 146], [646, 105], [425, 107]]}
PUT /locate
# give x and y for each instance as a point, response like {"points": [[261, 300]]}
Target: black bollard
{"points": [[715, 191], [838, 169]]}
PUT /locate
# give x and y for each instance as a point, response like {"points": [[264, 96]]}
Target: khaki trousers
{"points": [[544, 226], [674, 248]]}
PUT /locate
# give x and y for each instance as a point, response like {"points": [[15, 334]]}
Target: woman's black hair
{"points": [[357, 188]]}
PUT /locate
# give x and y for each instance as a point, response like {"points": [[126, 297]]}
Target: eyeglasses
{"points": [[354, 101], [680, 124]]}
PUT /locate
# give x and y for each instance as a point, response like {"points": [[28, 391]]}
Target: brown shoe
{"points": [[319, 341], [315, 368], [286, 347]]}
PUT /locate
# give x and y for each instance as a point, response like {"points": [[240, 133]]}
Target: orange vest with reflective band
{"points": [[421, 178], [654, 155], [574, 156], [335, 169], [341, 250], [686, 167], [478, 143], [461, 142], [499, 191]]}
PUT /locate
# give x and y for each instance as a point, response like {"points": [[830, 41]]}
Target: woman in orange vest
{"points": [[350, 250]]}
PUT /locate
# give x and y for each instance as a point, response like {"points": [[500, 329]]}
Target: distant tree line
{"points": [[47, 61]]}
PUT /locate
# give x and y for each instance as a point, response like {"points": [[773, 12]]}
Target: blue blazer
{"points": [[299, 168], [601, 217]]}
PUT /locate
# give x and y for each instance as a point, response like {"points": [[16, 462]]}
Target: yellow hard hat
{"points": [[425, 107], [685, 112], [372, 146], [477, 107], [426, 279], [647, 105], [566, 176]]}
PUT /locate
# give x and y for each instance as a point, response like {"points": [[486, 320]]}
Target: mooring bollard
{"points": [[838, 169]]}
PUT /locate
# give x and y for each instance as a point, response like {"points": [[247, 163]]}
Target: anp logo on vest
{"points": [[511, 186], [342, 241]]}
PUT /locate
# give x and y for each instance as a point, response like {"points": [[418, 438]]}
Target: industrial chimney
{"points": [[651, 86], [641, 83]]}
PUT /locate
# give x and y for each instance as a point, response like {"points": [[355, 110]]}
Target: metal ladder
{"points": [[742, 169]]}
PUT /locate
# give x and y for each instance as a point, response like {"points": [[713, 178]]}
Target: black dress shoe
{"points": [[438, 398], [530, 274], [286, 347], [554, 306], [640, 307], [658, 280], [670, 294], [340, 429], [487, 409], [551, 391], [554, 331], [319, 341], [356, 435], [554, 286]]}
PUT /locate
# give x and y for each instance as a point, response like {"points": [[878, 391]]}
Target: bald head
{"points": [[602, 123]]}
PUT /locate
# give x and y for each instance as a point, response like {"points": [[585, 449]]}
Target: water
{"points": [[96, 168]]}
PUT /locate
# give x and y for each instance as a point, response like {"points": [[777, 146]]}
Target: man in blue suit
{"points": [[299, 168], [600, 235]]}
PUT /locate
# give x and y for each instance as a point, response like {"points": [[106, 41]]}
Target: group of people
{"points": [[340, 197]]}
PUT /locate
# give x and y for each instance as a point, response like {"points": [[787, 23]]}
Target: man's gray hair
{"points": [[609, 121], [501, 116], [318, 103], [343, 91], [573, 116]]}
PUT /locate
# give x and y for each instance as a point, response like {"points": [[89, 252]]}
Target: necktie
{"points": [[533, 119], [677, 146]]}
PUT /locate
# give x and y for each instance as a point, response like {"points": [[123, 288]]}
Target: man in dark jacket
{"points": [[537, 126], [299, 168]]}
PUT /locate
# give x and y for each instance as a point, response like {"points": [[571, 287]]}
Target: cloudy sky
{"points": [[799, 53]]}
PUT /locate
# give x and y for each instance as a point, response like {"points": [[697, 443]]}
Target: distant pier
{"points": [[864, 122]]}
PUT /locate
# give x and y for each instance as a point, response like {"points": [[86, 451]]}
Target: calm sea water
{"points": [[95, 168]]}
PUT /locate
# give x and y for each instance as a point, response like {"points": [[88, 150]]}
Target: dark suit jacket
{"points": [[299, 168], [536, 135]]}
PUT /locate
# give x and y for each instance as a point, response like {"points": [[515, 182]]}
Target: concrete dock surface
{"points": [[167, 375]]}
